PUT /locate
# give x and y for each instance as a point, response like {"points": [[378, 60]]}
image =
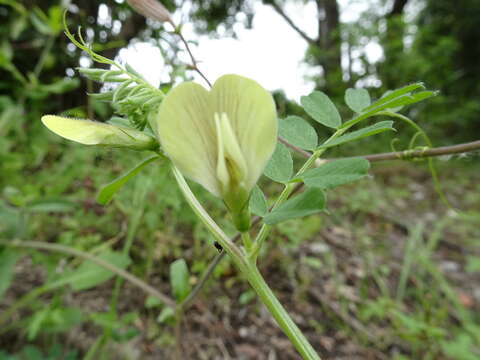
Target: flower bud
{"points": [[89, 132], [152, 9]]}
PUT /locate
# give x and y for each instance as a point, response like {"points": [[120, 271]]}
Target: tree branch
{"points": [[397, 8], [290, 22]]}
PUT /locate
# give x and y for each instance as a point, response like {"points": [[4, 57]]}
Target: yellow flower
{"points": [[221, 138], [89, 132]]}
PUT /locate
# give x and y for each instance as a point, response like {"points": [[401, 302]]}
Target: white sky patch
{"points": [[146, 59], [271, 53]]}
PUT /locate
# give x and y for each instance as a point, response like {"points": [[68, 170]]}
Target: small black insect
{"points": [[218, 246]]}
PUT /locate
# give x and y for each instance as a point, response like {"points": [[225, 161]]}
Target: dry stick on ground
{"points": [[120, 272]]}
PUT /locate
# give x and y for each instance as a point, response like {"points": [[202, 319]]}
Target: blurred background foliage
{"points": [[387, 228]]}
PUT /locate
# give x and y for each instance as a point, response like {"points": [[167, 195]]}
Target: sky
{"points": [[271, 52]]}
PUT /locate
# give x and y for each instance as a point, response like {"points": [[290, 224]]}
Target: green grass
{"points": [[382, 258]]}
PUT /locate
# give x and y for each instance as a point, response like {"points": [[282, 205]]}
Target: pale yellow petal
{"points": [[253, 117], [222, 170], [89, 132], [186, 130]]}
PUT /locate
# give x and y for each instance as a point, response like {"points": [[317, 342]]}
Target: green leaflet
{"points": [[357, 99], [395, 94], [180, 279], [258, 203], [336, 173], [8, 259], [89, 274], [358, 134], [298, 132], [310, 202], [321, 109], [280, 166], [107, 191]]}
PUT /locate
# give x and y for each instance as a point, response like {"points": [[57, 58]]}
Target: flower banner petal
{"points": [[252, 114], [186, 129]]}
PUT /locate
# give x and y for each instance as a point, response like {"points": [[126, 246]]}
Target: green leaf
{"points": [[321, 109], [298, 132], [247, 297], [15, 5], [40, 21], [398, 103], [336, 173], [36, 322], [8, 259], [358, 134], [180, 279], [473, 265], [152, 302], [12, 221], [280, 166], [258, 204], [166, 316], [395, 94], [392, 105], [107, 191], [119, 121], [89, 274], [357, 99], [311, 201], [55, 320], [51, 205]]}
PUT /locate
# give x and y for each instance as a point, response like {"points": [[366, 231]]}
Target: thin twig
{"points": [[424, 153], [70, 251], [178, 334], [290, 22], [194, 61], [402, 155], [185, 304]]}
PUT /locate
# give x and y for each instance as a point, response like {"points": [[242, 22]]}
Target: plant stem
{"points": [[247, 241], [233, 250], [279, 313], [43, 56], [250, 271], [287, 191], [192, 58]]}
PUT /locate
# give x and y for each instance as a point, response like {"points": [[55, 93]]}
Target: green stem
{"points": [[233, 250], [43, 56], [249, 269], [287, 191], [280, 314], [247, 241]]}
